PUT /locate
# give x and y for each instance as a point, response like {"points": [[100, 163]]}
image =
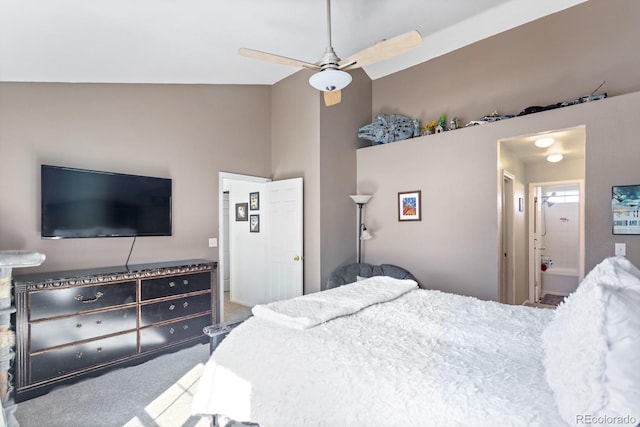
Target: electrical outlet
{"points": [[213, 242], [621, 249]]}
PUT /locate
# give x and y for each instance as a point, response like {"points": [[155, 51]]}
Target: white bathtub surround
{"points": [[559, 280]]}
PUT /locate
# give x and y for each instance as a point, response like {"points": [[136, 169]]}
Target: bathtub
{"points": [[559, 280]]}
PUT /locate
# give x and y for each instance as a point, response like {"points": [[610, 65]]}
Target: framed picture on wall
{"points": [[254, 223], [241, 212], [409, 206], [254, 201], [625, 209]]}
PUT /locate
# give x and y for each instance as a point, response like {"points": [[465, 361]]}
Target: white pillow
{"points": [[592, 348]]}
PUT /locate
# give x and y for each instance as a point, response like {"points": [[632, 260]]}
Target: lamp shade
{"points": [[365, 235], [329, 80], [361, 198]]}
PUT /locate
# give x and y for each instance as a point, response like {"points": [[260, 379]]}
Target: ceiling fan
{"points": [[331, 77]]}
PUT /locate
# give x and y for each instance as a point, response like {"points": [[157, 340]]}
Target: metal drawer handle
{"points": [[99, 349], [78, 354], [172, 284], [185, 305], [185, 281], [171, 331], [78, 325], [171, 307], [87, 301], [185, 327]]}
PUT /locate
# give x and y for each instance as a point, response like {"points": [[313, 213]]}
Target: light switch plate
{"points": [[621, 249], [213, 242]]}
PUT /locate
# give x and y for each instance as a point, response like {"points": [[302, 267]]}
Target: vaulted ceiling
{"points": [[196, 41]]}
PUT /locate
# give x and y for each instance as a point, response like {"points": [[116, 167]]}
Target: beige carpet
{"points": [[156, 393], [233, 311]]}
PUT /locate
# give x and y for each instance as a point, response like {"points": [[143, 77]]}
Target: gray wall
{"points": [[187, 133], [295, 150], [455, 246], [338, 144], [556, 58], [319, 144]]}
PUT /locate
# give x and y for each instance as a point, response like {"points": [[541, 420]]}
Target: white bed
{"points": [[424, 358]]}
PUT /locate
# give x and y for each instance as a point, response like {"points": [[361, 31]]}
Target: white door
{"points": [[284, 242]]}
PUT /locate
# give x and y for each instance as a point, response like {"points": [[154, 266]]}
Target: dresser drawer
{"points": [[59, 362], [164, 335], [60, 302], [174, 308], [176, 285], [67, 330]]}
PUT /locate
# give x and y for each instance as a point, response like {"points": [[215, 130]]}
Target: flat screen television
{"points": [[79, 203]]}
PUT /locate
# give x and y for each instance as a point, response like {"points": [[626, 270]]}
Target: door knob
{"points": [[296, 258]]}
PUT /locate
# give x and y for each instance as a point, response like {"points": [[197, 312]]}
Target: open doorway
{"points": [[229, 310], [261, 242], [537, 163], [556, 239]]}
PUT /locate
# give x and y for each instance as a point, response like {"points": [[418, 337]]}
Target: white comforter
{"points": [[426, 358]]}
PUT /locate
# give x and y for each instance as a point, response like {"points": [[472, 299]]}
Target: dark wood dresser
{"points": [[79, 323]]}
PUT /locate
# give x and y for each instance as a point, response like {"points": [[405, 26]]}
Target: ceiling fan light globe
{"points": [[330, 80]]}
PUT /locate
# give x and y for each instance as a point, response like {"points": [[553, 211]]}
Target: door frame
{"points": [[507, 287], [221, 241]]}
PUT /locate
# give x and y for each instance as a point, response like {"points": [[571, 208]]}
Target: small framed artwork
{"points": [[409, 206], [625, 209], [254, 223], [241, 211], [254, 201]]}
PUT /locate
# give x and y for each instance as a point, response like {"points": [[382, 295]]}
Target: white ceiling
{"points": [[568, 142], [196, 41]]}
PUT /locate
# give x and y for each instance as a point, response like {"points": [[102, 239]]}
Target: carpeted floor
{"points": [[156, 393], [233, 311], [554, 300]]}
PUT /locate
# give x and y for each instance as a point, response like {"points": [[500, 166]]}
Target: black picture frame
{"points": [[241, 211], [254, 223], [254, 201]]}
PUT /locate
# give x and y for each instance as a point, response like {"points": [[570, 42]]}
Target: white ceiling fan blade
{"points": [[332, 98], [270, 57], [382, 50]]}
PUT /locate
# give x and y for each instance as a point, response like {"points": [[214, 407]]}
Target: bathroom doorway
{"points": [[556, 239], [538, 160]]}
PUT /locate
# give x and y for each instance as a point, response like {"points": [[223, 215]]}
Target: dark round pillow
{"points": [[349, 273]]}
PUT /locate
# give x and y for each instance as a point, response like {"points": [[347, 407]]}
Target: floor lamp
{"points": [[363, 233]]}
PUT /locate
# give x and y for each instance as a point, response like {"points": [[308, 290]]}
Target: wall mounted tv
{"points": [[84, 203]]}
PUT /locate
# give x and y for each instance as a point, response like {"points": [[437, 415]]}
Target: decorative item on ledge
{"points": [[387, 128]]}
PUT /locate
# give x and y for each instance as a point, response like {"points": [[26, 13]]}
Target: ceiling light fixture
{"points": [[330, 80], [555, 157], [544, 142]]}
